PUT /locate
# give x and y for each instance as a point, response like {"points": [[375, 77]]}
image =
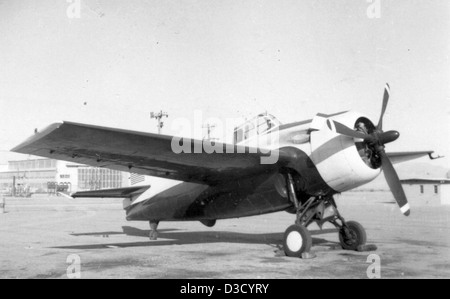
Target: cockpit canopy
{"points": [[256, 126]]}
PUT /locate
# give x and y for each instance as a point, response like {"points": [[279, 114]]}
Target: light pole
{"points": [[209, 128], [158, 116]]}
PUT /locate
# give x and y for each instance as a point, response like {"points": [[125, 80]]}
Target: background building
{"points": [[92, 178], [427, 191], [45, 175]]}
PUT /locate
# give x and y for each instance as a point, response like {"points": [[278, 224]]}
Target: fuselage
{"points": [[324, 164]]}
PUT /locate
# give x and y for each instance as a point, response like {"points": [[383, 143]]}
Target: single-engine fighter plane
{"points": [[317, 159]]}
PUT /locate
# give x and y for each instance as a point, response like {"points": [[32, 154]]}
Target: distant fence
{"points": [[53, 187]]}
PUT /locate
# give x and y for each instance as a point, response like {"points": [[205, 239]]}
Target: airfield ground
{"points": [[40, 236]]}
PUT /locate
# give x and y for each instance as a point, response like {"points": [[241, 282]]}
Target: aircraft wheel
{"points": [[355, 236], [297, 240], [153, 235]]}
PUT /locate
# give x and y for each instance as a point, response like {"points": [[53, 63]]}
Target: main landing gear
{"points": [[297, 238]]}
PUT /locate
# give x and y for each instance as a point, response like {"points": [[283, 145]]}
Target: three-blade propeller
{"points": [[377, 139]]}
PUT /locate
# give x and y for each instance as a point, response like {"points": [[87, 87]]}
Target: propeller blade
{"points": [[346, 131], [394, 183], [387, 91]]}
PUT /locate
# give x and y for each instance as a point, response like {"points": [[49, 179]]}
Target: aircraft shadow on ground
{"points": [[175, 237]]}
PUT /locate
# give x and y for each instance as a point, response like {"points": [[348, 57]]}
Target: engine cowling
{"points": [[339, 162]]}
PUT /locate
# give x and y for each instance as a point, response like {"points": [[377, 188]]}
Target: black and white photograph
{"points": [[216, 141]]}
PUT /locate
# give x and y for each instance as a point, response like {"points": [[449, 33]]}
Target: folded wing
{"points": [[143, 153]]}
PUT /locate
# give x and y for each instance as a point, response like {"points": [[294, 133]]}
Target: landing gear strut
{"points": [[153, 230], [321, 210], [297, 238]]}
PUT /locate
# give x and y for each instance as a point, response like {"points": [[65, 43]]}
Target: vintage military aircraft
{"points": [[317, 159]]}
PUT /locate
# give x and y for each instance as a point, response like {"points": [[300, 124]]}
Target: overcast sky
{"points": [[230, 58]]}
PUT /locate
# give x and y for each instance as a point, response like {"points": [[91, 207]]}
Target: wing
{"points": [[126, 192], [399, 157], [143, 153]]}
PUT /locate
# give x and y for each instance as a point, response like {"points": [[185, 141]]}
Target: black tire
{"points": [[297, 240], [356, 238]]}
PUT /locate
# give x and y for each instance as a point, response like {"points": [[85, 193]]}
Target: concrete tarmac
{"points": [[54, 237]]}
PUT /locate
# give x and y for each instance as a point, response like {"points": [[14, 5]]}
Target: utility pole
{"points": [[158, 116], [14, 187], [209, 128]]}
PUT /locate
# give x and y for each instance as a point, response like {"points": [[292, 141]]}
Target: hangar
{"points": [[427, 191], [37, 175]]}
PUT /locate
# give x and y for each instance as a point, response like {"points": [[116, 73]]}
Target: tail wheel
{"points": [[153, 235], [297, 240], [352, 236]]}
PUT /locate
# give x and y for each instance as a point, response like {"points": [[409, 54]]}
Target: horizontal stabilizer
{"points": [[126, 192]]}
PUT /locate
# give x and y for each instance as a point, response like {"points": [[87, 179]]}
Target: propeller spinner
{"points": [[377, 140]]}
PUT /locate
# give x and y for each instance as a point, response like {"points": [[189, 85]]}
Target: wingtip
{"points": [[39, 134]]}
